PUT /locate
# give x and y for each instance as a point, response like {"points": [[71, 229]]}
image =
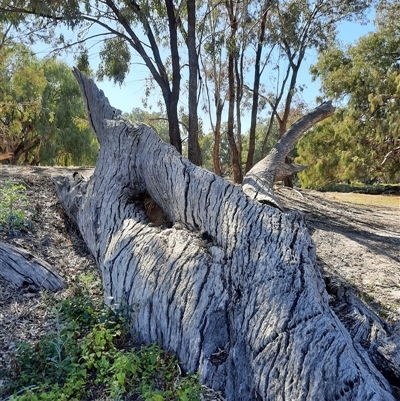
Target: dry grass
{"points": [[364, 199]]}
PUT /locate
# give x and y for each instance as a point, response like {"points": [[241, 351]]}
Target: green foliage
{"points": [[115, 59], [261, 129], [206, 143], [42, 115], [157, 32], [360, 143], [156, 120], [22, 83], [14, 208], [89, 351], [67, 136]]}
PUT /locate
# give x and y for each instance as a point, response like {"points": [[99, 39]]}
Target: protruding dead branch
{"points": [[258, 182]]}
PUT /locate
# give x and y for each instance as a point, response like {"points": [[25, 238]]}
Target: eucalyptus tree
{"points": [[362, 142], [297, 27], [214, 67], [235, 14], [194, 152], [258, 70], [22, 83], [65, 134], [259, 37], [42, 117], [231, 28], [19, 28]]}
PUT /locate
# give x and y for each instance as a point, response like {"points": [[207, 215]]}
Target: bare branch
{"points": [[258, 182], [385, 159]]}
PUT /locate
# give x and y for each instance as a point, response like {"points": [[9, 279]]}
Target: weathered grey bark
{"points": [[367, 329], [26, 270], [258, 182], [231, 288]]}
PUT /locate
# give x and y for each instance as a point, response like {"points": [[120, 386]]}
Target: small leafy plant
{"points": [[13, 208], [89, 354]]}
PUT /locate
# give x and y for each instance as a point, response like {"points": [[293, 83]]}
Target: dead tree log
{"points": [[23, 269], [231, 287]]}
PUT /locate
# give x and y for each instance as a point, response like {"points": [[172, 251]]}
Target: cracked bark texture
{"points": [[231, 288], [24, 269]]}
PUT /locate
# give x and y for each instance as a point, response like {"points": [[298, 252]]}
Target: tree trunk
{"points": [[172, 103], [233, 148], [219, 105], [256, 87], [194, 152], [283, 122], [155, 63], [238, 101], [234, 153], [231, 287]]}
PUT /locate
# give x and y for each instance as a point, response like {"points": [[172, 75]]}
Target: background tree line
{"points": [[233, 59]]}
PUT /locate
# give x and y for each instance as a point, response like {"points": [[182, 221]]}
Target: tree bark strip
{"points": [[232, 288]]}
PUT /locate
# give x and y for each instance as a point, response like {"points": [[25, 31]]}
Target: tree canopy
{"points": [[362, 141], [241, 58], [201, 56]]}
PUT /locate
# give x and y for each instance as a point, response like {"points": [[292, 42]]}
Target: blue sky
{"points": [[129, 95], [131, 91]]}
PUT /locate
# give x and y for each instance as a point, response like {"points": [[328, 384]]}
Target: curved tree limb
{"points": [[258, 182]]}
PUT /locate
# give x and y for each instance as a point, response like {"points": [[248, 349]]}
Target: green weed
{"points": [[90, 351], [14, 208]]}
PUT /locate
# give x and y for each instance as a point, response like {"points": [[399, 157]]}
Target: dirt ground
{"points": [[357, 243], [25, 315], [360, 244]]}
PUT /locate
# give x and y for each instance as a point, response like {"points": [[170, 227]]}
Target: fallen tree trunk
{"points": [[23, 269], [231, 287]]}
